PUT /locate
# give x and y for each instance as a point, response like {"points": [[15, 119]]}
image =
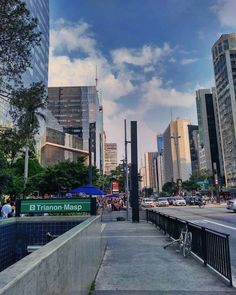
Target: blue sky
{"points": [[151, 56]]}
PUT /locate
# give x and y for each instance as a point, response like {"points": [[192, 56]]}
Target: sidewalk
{"points": [[136, 263]]}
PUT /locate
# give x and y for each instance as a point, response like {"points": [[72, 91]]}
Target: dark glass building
{"points": [[77, 109], [39, 70], [193, 143], [207, 142]]}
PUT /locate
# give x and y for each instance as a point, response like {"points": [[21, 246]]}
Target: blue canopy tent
{"points": [[88, 190]]}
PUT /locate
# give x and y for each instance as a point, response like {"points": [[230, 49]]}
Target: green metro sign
{"points": [[57, 205]]}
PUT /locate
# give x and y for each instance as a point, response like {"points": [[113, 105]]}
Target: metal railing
{"points": [[211, 246]]}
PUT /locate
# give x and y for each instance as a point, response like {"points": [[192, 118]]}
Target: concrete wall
{"points": [[65, 266]]}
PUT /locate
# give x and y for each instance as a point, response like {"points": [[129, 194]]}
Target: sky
{"points": [[151, 57]]}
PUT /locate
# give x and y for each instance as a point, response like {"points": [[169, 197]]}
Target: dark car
{"points": [[170, 200], [199, 200]]}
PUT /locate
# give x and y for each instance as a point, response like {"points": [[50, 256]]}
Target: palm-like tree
{"points": [[27, 105]]}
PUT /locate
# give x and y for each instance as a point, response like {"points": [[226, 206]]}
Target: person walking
{"points": [[6, 210]]}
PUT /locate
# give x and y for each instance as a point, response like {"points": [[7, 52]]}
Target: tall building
{"points": [[208, 146], [193, 143], [160, 144], [177, 159], [160, 171], [110, 157], [142, 183], [39, 70], [39, 62], [150, 160], [224, 61], [160, 164], [77, 109]]}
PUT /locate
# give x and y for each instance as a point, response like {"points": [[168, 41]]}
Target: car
{"points": [[179, 201], [170, 200], [162, 202], [231, 205], [148, 203], [199, 200]]}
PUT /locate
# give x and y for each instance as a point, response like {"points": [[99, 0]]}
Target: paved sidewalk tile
{"points": [[136, 263]]}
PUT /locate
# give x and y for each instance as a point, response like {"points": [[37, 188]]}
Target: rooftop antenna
{"points": [[96, 78], [171, 115]]}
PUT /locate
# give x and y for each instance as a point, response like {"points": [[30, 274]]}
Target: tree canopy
{"points": [[27, 105], [18, 35]]}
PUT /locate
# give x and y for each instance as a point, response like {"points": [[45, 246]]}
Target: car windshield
{"points": [[162, 199], [179, 198]]}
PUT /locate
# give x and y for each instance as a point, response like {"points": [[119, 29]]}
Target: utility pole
{"points": [[90, 173], [176, 142], [216, 180]]}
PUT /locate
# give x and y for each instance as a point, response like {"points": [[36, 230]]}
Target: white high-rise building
{"points": [[224, 61], [110, 157], [177, 159]]}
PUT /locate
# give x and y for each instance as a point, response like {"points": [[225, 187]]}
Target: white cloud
{"points": [[187, 61], [155, 94], [115, 79], [225, 10], [71, 37], [146, 55]]}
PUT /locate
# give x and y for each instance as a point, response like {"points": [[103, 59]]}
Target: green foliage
{"points": [[201, 175], [61, 178], [190, 185], [169, 187], [18, 35], [11, 144], [27, 105]]}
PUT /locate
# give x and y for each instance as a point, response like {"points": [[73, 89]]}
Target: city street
{"points": [[215, 217]]}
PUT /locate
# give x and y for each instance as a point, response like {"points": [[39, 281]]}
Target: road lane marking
{"points": [[117, 236], [220, 224]]}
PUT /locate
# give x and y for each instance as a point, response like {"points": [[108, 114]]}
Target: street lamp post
{"points": [[176, 142]]}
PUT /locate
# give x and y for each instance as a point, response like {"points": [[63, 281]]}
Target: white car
{"points": [[148, 203], [179, 201], [162, 202], [231, 205]]}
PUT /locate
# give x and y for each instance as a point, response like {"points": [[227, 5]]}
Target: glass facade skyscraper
{"points": [[39, 70], [39, 62], [77, 109], [224, 60]]}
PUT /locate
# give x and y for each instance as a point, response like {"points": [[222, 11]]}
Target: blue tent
{"points": [[87, 190]]}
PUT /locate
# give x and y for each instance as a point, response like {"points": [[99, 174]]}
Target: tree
{"points": [[190, 185], [27, 105], [169, 187], [60, 178], [18, 35], [11, 144]]}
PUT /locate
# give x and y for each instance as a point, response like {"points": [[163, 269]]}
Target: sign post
{"points": [[31, 206]]}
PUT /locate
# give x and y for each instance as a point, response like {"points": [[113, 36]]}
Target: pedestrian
{"points": [[6, 210]]}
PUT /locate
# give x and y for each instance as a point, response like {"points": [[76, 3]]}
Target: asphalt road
{"points": [[215, 217]]}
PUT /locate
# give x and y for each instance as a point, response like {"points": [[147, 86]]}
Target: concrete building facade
{"points": [[150, 160], [177, 158], [224, 62], [110, 157]]}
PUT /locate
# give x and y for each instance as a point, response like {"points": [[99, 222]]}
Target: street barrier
{"points": [[211, 246]]}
